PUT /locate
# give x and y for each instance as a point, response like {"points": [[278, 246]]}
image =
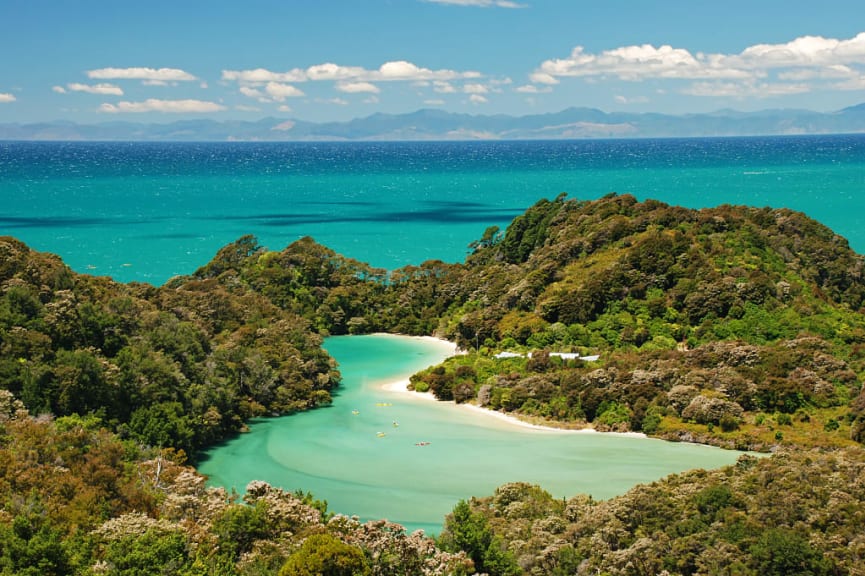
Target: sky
{"points": [[92, 61]]}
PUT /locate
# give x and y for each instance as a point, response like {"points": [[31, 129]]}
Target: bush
{"points": [[729, 423], [325, 555], [784, 419]]}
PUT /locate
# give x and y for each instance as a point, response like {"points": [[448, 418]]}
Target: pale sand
{"points": [[401, 386]]}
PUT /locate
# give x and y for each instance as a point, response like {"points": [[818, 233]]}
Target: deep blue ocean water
{"points": [[149, 211]]}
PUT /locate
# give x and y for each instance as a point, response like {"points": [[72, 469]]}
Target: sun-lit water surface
{"points": [[149, 211]]}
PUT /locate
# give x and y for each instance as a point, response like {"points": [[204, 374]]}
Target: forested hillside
{"points": [[732, 325], [741, 327], [180, 366]]}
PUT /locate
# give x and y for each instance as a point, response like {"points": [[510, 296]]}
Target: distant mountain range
{"points": [[430, 124]]}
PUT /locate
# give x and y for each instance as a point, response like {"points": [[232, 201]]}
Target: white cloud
{"points": [[261, 76], [355, 87], [543, 78], [335, 101], [838, 71], [804, 51], [404, 70], [532, 89], [480, 3], [434, 102], [636, 63], [443, 87], [253, 93], [630, 100], [284, 108], [478, 99], [397, 70], [744, 89], [167, 106], [148, 74], [475, 89], [243, 108], [760, 70], [59, 89], [280, 92], [104, 88], [331, 71], [371, 100], [5, 97]]}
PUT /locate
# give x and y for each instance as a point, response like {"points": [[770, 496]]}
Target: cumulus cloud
{"points": [[355, 87], [630, 100], [103, 88], [838, 71], [478, 99], [543, 78], [166, 106], [253, 93], [532, 89], [801, 65], [443, 87], [475, 89], [279, 92], [636, 63], [480, 3], [331, 71], [397, 70], [146, 74], [804, 51], [262, 76], [5, 97], [59, 89], [744, 89]]}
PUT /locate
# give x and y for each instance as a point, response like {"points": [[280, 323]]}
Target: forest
{"points": [[733, 326]]}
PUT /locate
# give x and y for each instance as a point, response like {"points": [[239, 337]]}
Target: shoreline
{"points": [[401, 387]]}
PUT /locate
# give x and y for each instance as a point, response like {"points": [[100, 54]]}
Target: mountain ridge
{"points": [[434, 124]]}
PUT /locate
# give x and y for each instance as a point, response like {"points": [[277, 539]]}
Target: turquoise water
{"points": [[148, 211], [342, 457]]}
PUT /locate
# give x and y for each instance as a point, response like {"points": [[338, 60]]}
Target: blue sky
{"points": [[319, 60]]}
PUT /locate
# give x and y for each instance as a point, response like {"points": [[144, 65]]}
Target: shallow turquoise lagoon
{"points": [[354, 456]]}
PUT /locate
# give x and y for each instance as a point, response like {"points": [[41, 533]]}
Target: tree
{"points": [[325, 555], [781, 551], [468, 531]]}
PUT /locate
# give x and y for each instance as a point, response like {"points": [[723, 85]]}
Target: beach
{"points": [[401, 386]]}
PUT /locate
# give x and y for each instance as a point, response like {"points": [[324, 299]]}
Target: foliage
{"points": [[737, 326], [180, 366], [792, 513], [325, 555], [469, 532]]}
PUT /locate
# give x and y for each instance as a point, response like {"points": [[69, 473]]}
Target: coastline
{"points": [[401, 387]]}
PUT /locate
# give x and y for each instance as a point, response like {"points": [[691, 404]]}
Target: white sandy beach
{"points": [[401, 386]]}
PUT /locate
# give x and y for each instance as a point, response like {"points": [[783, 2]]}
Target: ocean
{"points": [[150, 211]]}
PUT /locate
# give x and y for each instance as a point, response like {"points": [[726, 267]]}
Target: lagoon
{"points": [[362, 453]]}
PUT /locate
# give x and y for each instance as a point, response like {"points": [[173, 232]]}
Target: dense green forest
{"points": [[735, 326]]}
